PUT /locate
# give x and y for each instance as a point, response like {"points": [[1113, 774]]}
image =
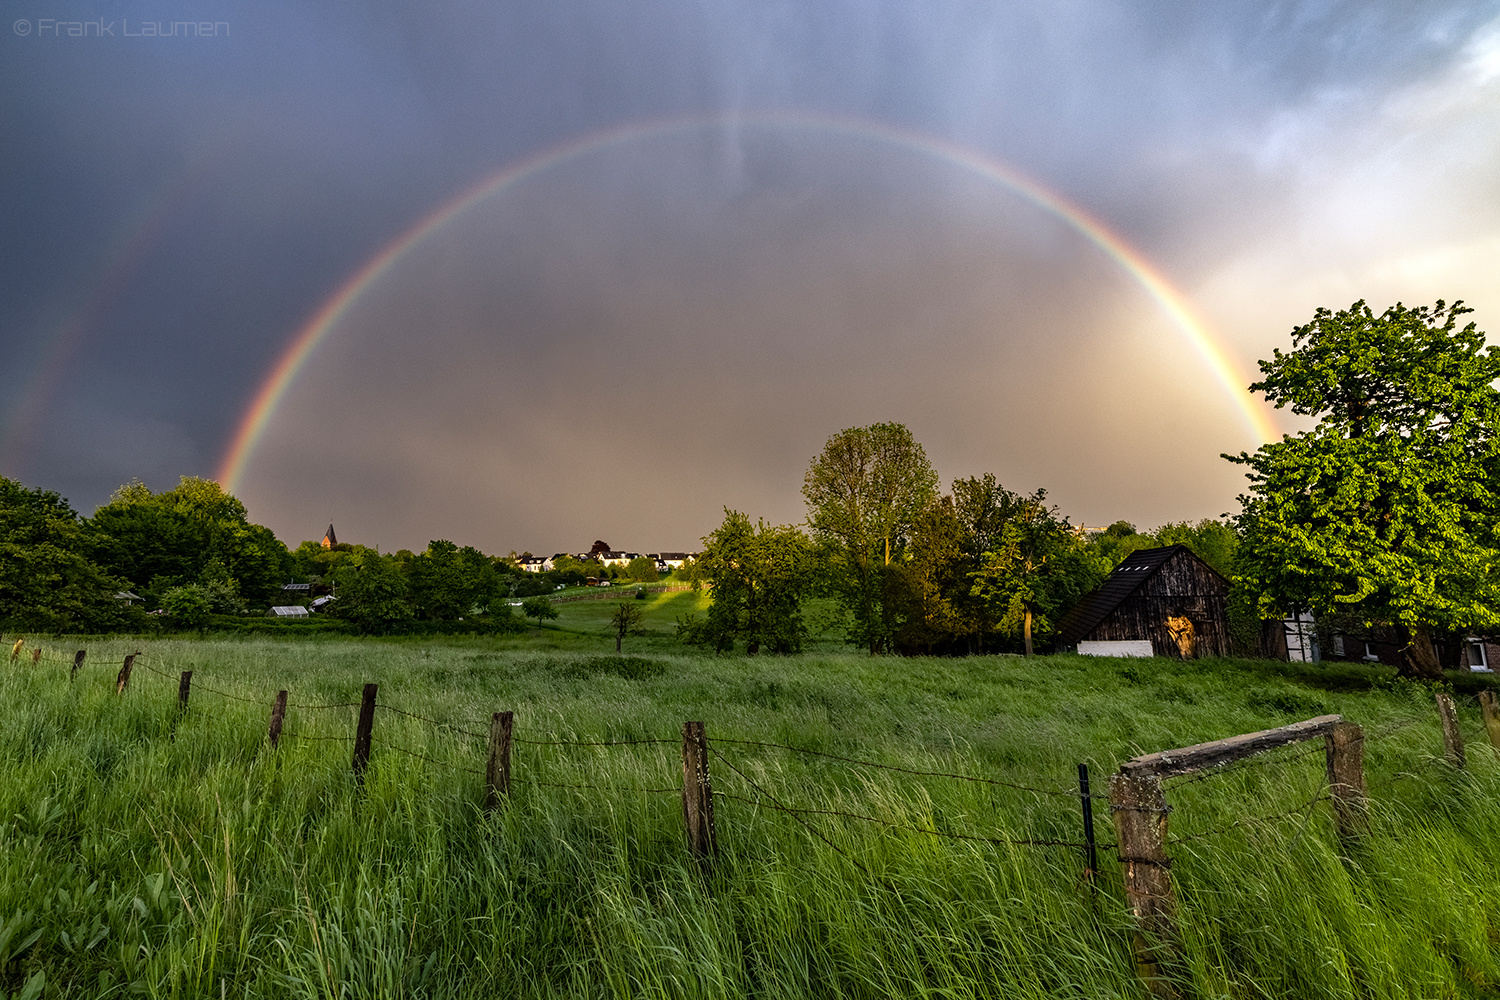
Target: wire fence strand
{"points": [[1072, 794]]}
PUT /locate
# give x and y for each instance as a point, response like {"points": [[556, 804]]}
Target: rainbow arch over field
{"points": [[1194, 330]]}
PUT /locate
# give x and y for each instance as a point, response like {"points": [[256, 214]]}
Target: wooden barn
{"points": [[1166, 597]]}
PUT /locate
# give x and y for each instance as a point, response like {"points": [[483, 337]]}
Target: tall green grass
{"points": [[147, 854]]}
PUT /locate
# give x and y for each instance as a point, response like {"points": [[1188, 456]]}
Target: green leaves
{"points": [[1389, 506]]}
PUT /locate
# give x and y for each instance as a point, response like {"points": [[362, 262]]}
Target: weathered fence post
{"points": [[362, 733], [184, 685], [1491, 718], [1345, 745], [278, 713], [697, 793], [1088, 821], [1139, 808], [36, 656], [1453, 738], [123, 678], [77, 662], [497, 770]]}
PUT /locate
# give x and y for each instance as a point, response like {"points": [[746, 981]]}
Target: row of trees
{"points": [[1384, 517], [910, 569], [189, 550]]}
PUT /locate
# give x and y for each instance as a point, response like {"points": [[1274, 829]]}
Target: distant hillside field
{"points": [[154, 852]]}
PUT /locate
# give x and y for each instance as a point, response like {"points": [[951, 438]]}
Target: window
{"points": [[1477, 660]]}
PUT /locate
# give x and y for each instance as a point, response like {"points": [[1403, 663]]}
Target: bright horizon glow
{"points": [[271, 392]]}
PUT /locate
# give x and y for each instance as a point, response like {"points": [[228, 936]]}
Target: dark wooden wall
{"points": [[1182, 586]]}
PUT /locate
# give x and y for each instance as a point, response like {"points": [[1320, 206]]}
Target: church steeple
{"points": [[330, 539]]}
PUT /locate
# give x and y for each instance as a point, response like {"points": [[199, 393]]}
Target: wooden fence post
{"points": [[278, 713], [497, 770], [1491, 718], [36, 656], [1345, 745], [1139, 808], [77, 662], [697, 793], [123, 678], [1453, 738], [362, 733], [184, 685], [1088, 821]]}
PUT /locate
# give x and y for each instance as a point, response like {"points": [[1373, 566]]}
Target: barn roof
{"points": [[1136, 569]]}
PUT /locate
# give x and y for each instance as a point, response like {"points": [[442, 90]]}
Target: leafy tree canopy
{"points": [[759, 575], [1390, 505], [47, 580]]}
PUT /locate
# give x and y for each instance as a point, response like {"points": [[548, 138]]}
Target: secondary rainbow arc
{"points": [[283, 374]]}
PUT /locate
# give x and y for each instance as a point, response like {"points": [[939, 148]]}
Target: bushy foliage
{"points": [[1390, 506], [47, 580], [759, 575]]}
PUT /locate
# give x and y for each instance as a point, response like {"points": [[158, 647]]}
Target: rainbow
{"points": [[133, 237], [271, 392]]}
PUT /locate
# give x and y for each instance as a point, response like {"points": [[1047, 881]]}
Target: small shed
{"points": [[1167, 597]]}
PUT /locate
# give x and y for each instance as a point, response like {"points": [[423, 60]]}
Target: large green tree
{"points": [[1390, 505], [864, 493], [174, 536], [758, 575], [47, 580], [1038, 569]]}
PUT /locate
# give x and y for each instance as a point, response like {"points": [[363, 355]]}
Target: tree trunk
{"points": [[1028, 631], [619, 636], [1419, 660]]}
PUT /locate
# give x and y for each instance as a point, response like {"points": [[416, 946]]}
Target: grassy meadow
{"points": [[147, 854]]}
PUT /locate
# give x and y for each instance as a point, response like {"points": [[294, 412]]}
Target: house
{"points": [[617, 558], [534, 564], [1158, 602], [666, 562]]}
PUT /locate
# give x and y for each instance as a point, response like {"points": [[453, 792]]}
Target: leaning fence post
{"points": [[1088, 821], [1453, 738], [362, 733], [697, 793], [497, 770], [1345, 746], [184, 685], [1491, 718], [278, 713], [123, 678], [1139, 808], [77, 662]]}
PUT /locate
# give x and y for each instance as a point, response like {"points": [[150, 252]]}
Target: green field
{"points": [[147, 854]]}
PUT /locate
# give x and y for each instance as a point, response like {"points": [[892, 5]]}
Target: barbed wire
{"points": [[1252, 819], [435, 722], [303, 736], [1073, 794], [589, 743], [596, 788], [798, 819], [412, 753]]}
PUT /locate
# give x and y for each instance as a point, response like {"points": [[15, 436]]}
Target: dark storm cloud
{"points": [[185, 204]]}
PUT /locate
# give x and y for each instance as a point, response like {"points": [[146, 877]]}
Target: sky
{"points": [[525, 275]]}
